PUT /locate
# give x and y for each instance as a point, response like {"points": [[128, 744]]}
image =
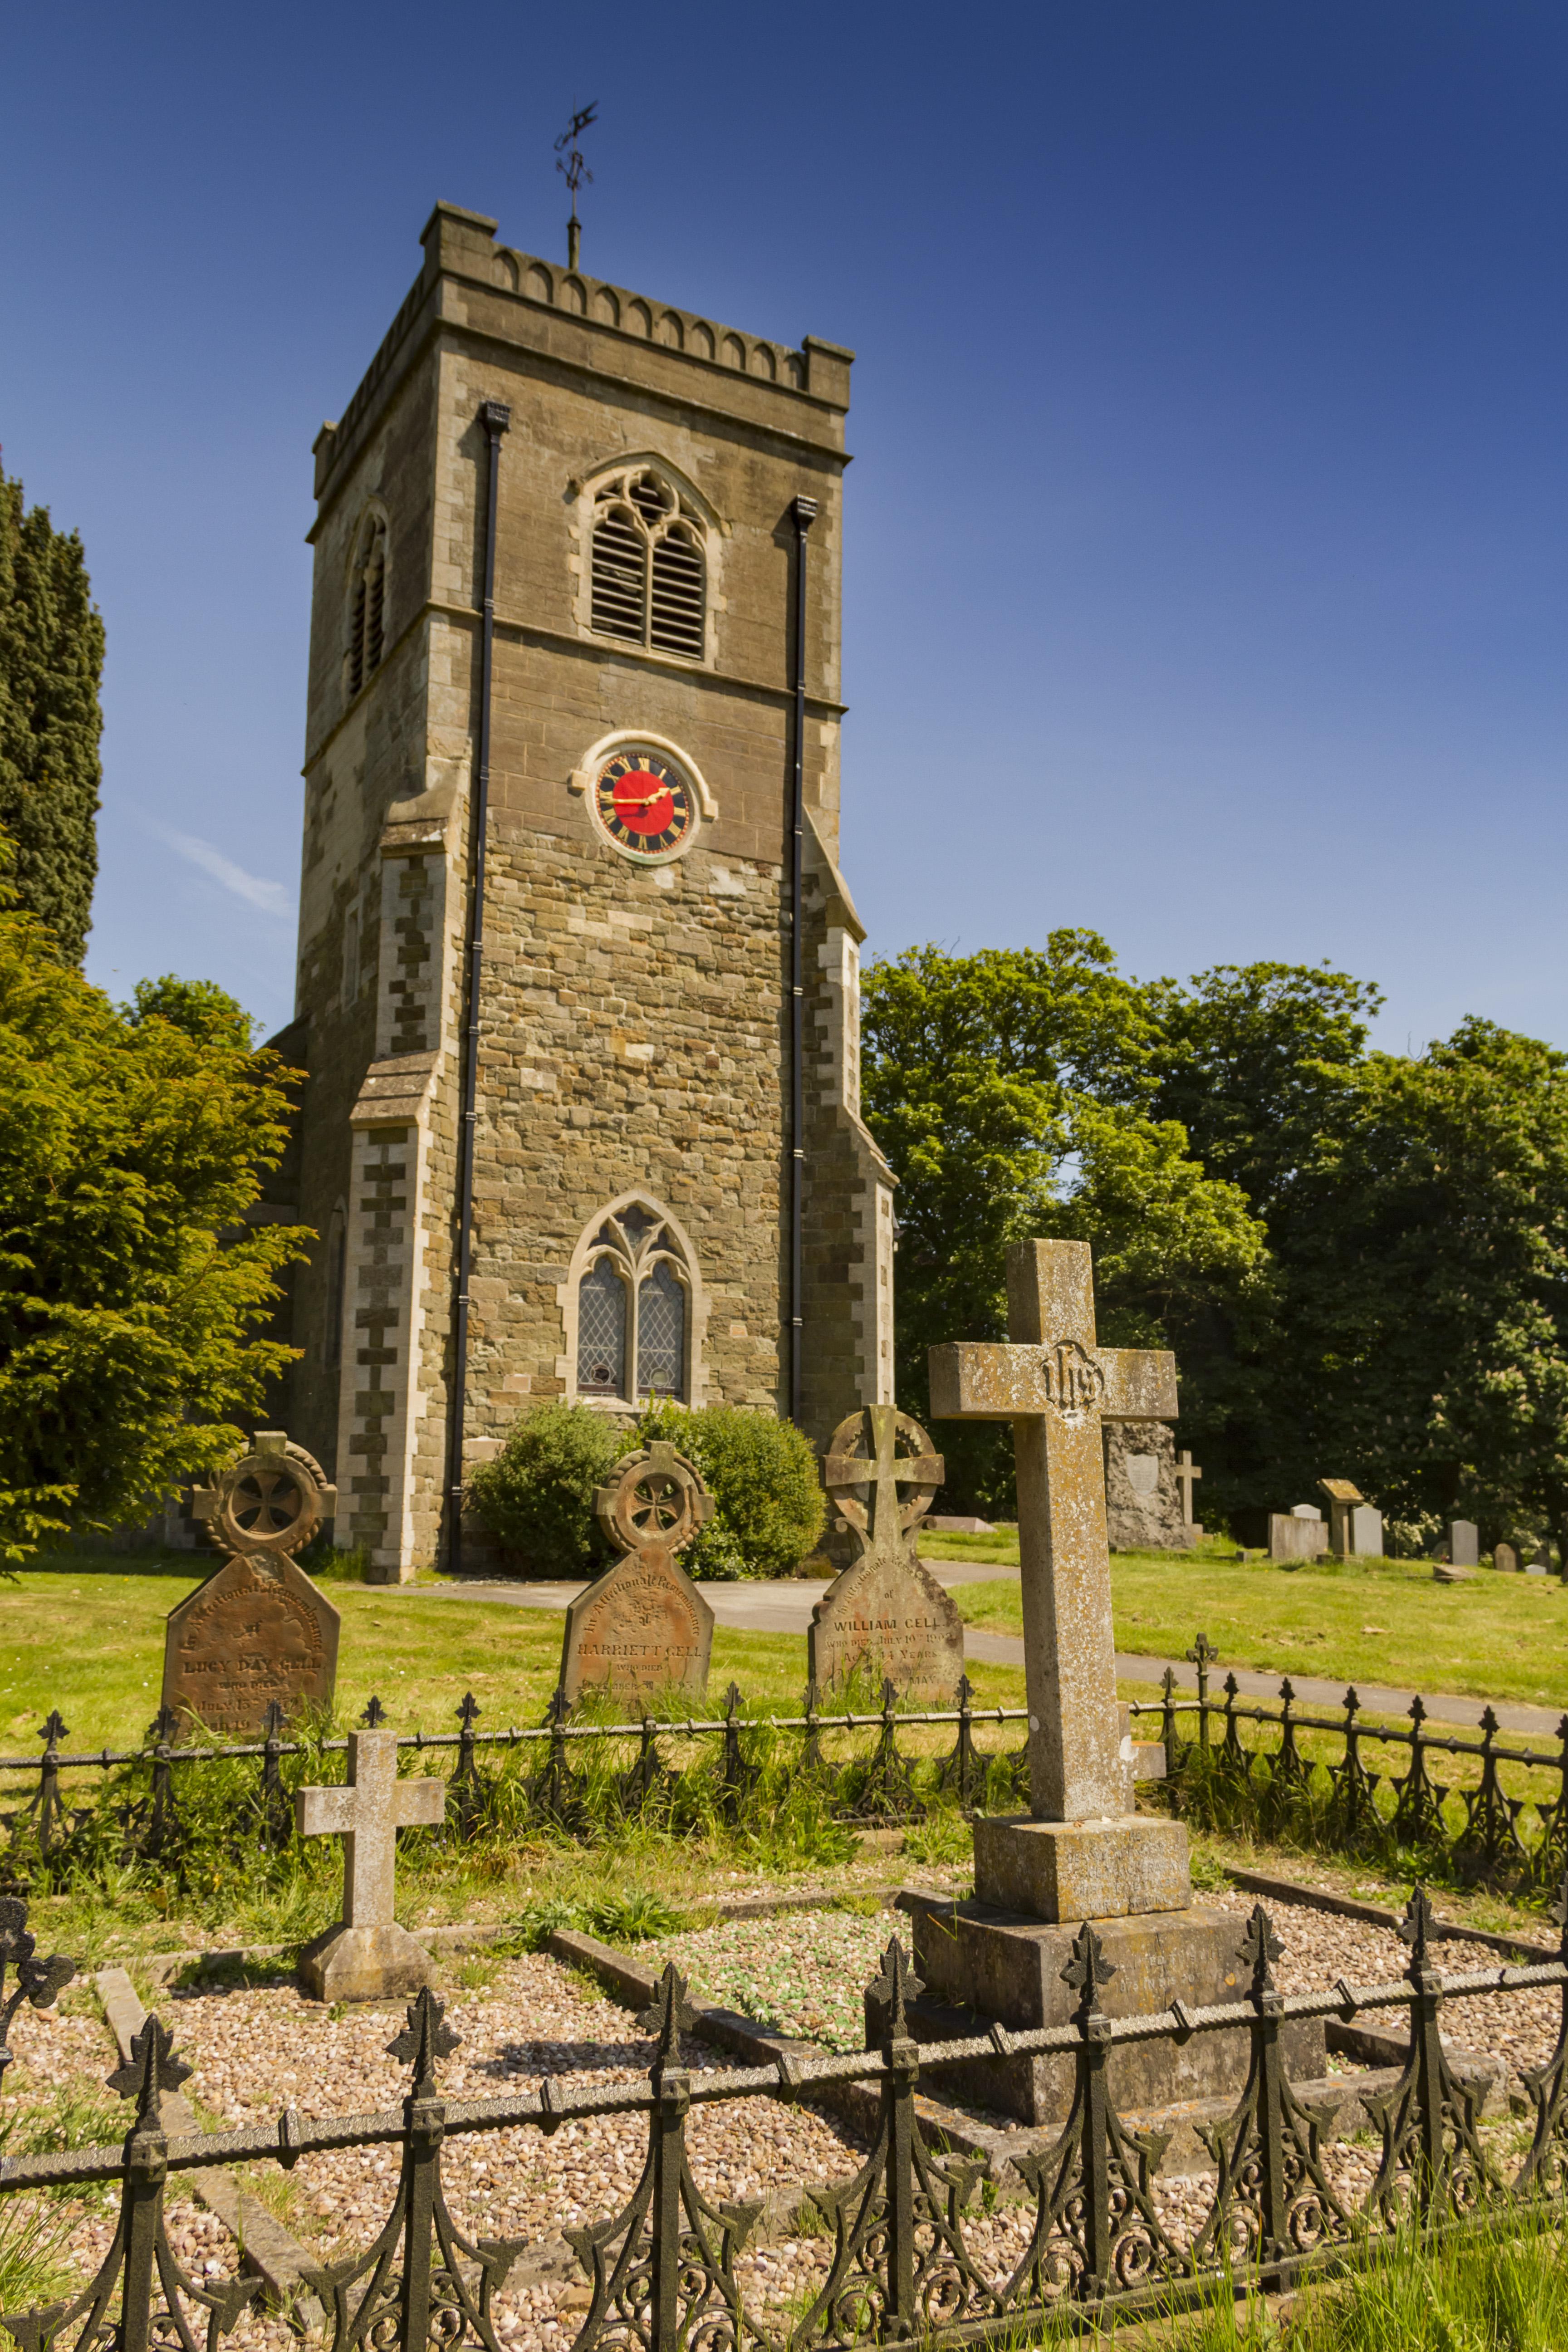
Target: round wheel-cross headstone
{"points": [[643, 1626], [658, 1497]]}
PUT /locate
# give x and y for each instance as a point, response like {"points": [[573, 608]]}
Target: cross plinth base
{"points": [[1081, 1870], [981, 1964], [381, 1963]]}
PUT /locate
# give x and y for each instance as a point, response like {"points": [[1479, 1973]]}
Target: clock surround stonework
{"points": [[634, 1017]]}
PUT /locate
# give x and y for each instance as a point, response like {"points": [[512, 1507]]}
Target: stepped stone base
{"points": [[365, 1964], [979, 1963], [1082, 1870]]}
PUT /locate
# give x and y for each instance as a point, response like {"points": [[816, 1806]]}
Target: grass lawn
{"points": [[1501, 1637], [89, 1640]]}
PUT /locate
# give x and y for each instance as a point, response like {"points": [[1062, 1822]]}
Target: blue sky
{"points": [[1206, 532]]}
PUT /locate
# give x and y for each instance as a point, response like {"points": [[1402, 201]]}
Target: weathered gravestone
{"points": [[887, 1611], [643, 1626], [258, 1630], [1296, 1535], [1187, 1474], [1081, 1852], [1342, 1499], [1366, 1532], [1461, 1544], [1506, 1558], [1143, 1500], [1541, 1565], [366, 1956]]}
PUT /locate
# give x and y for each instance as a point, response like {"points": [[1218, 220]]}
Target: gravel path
{"points": [[254, 2051]]}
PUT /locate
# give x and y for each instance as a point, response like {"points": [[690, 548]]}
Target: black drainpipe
{"points": [[496, 418], [803, 512]]}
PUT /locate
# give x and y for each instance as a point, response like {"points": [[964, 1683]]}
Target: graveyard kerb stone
{"points": [[886, 1612]]}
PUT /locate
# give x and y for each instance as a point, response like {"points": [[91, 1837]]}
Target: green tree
{"points": [[51, 665], [1010, 1092], [1426, 1263], [131, 1288]]}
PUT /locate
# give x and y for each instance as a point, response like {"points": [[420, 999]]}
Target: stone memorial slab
{"points": [[642, 1626], [1366, 1532], [886, 1613], [1463, 1543], [1083, 1852], [1143, 1510], [1506, 1559], [1295, 1535], [366, 1956], [1342, 1499], [258, 1630]]}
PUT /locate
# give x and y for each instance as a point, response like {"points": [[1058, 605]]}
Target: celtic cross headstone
{"points": [[886, 1612], [258, 1631], [642, 1626]]}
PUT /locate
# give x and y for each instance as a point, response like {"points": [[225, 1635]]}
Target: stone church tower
{"points": [[664, 492]]}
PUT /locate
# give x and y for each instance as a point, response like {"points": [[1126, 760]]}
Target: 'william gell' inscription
{"points": [[887, 1613], [643, 1626], [258, 1630]]}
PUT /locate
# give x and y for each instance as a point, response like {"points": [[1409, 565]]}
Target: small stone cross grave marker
{"points": [[643, 1626], [1187, 1472], [367, 1955], [258, 1630], [885, 1611], [1083, 1854]]}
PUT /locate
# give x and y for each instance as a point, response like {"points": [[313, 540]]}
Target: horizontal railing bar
{"points": [[513, 1735], [293, 2136]]}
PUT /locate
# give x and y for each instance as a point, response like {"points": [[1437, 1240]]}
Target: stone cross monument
{"points": [[643, 1626], [885, 1611], [1081, 1852], [367, 1955], [258, 1630], [1187, 1473]]}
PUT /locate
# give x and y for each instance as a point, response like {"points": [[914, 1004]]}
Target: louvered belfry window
{"points": [[649, 572], [367, 606]]}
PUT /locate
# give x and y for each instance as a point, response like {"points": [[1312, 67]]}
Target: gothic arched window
{"points": [[367, 604], [634, 1310], [649, 565]]}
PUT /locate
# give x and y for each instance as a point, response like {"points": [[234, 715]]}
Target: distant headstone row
{"points": [[1354, 1530]]}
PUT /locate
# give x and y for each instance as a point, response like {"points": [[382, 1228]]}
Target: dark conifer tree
{"points": [[51, 662]]}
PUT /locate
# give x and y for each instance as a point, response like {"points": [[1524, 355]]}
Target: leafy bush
{"points": [[537, 1496], [763, 1477]]}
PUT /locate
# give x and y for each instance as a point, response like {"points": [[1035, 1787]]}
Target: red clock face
{"points": [[645, 803]]}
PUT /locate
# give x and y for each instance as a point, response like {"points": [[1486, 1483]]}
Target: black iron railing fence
{"points": [[666, 2270], [570, 1774]]}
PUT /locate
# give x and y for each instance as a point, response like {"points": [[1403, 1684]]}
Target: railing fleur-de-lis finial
{"points": [[1087, 1970], [733, 1702], [468, 1713], [56, 1729], [1202, 1653], [894, 1989], [149, 2071], [964, 1692], [558, 1708], [163, 1727], [273, 1721], [667, 2016], [1415, 1929], [426, 2038], [1260, 1946], [375, 1715], [37, 1981], [1352, 1700]]}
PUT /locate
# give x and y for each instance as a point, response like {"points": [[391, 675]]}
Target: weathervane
{"points": [[570, 164]]}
